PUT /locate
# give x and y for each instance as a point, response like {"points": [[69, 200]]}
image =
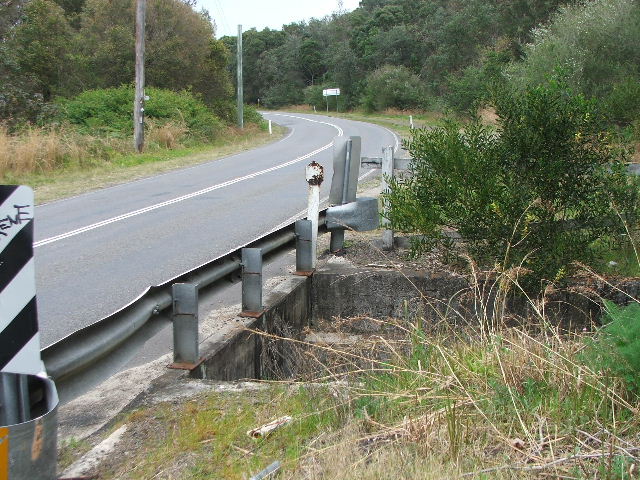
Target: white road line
{"points": [[182, 198], [340, 131]]}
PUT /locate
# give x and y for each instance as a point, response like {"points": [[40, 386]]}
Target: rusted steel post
{"points": [[314, 176]]}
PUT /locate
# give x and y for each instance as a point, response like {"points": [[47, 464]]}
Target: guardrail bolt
{"points": [[304, 247], [185, 325], [252, 282]]}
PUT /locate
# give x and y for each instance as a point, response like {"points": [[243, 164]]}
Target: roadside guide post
{"points": [[28, 399], [314, 175]]}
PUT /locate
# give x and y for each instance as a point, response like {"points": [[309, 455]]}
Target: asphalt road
{"points": [[96, 252]]}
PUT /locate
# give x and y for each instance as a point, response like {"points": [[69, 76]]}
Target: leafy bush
{"points": [[535, 194], [110, 110], [615, 349], [227, 111], [313, 96], [393, 87], [597, 45], [622, 104], [251, 115], [469, 89]]}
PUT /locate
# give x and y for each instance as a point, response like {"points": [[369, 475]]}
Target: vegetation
{"points": [[538, 194], [482, 401], [66, 95]]}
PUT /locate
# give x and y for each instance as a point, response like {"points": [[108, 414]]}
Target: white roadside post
{"points": [[411, 122], [315, 176], [270, 128]]}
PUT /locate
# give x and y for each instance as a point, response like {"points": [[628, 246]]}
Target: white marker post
{"points": [[19, 336], [314, 176], [270, 128]]}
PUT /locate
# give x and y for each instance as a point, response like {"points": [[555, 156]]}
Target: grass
{"points": [[206, 437], [477, 401], [60, 163]]}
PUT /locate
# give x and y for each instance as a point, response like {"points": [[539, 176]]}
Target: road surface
{"points": [[96, 252]]}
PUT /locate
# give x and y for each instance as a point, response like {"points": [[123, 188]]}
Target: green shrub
{"points": [[622, 104], [110, 111], [470, 88], [313, 96], [393, 87], [536, 194], [227, 111], [597, 44], [251, 115], [615, 349]]}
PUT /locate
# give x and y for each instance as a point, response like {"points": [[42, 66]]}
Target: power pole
{"points": [[138, 102], [240, 90]]}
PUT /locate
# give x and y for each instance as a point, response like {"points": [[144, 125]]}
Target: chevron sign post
{"points": [[19, 338]]}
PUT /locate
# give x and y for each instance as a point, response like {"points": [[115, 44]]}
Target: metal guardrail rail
{"points": [[73, 362], [87, 356]]}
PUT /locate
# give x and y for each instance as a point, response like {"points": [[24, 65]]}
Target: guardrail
{"points": [[80, 359], [93, 353]]}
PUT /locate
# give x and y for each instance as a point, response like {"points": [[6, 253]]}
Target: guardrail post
{"points": [[387, 173], [336, 243], [304, 247], [252, 282], [185, 324]]}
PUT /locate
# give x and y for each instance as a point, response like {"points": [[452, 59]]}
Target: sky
{"points": [[228, 14]]}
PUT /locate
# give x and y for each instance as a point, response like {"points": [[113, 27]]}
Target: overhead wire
{"points": [[218, 4]]}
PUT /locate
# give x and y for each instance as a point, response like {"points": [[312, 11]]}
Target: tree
{"points": [[393, 87], [41, 45], [311, 60], [538, 195], [10, 13], [180, 47], [596, 45]]}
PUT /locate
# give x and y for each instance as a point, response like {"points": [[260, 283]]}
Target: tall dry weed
{"points": [[167, 135]]}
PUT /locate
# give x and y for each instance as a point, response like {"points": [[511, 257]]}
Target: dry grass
{"points": [[486, 401], [167, 135], [41, 150], [61, 163]]}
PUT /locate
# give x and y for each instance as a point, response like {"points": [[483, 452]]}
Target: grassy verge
{"points": [[82, 175], [482, 402]]}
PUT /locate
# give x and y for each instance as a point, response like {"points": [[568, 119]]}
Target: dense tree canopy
{"points": [[386, 53], [63, 47], [436, 40]]}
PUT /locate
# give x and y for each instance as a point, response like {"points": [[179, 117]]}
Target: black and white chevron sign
{"points": [[19, 338]]}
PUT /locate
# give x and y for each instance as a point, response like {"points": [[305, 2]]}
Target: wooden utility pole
{"points": [[138, 102], [240, 89]]}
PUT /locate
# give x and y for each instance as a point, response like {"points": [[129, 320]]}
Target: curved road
{"points": [[96, 252]]}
